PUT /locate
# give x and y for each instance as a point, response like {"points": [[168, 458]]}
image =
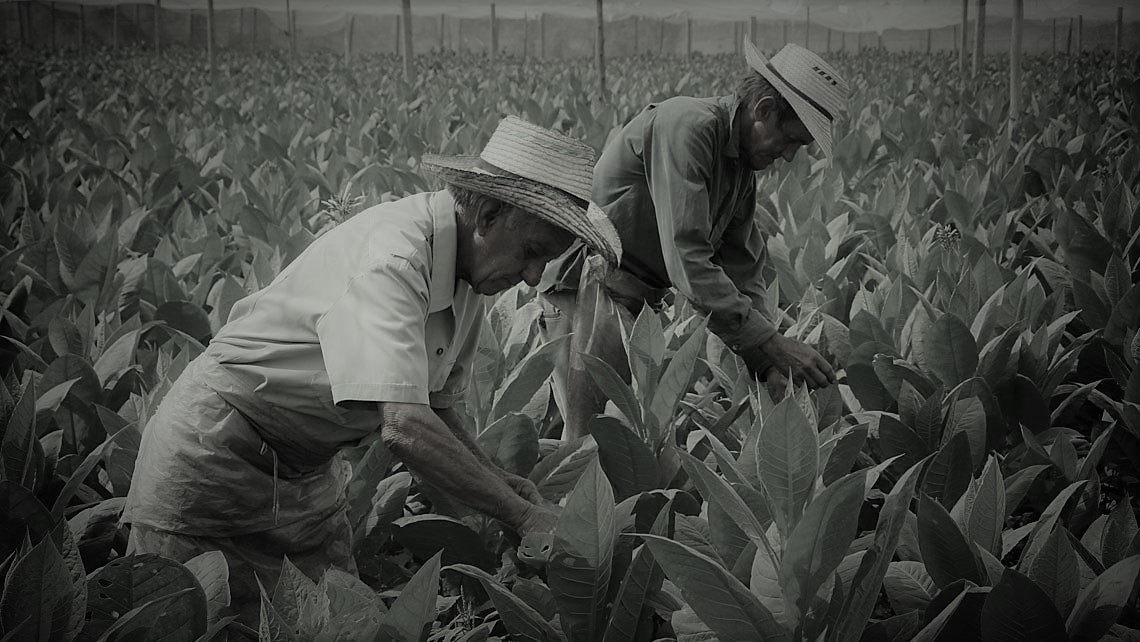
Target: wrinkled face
{"points": [[508, 246], [766, 138]]}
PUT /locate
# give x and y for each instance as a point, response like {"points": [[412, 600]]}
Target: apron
{"points": [[215, 461]]}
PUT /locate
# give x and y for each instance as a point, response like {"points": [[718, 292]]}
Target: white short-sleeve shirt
{"points": [[370, 312]]}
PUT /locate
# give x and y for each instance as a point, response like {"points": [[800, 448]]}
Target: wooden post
{"points": [[442, 30], [735, 37], [494, 34], [965, 35], [396, 48], [253, 27], [542, 35], [1080, 33], [210, 34], [689, 38], [349, 23], [807, 29], [929, 40], [600, 54], [1119, 38], [289, 25], [843, 41], [138, 23], [636, 35], [459, 35], [979, 37], [82, 23], [406, 7], [829, 40], [190, 29], [661, 40], [1015, 62], [115, 27], [785, 32], [1054, 41], [51, 22], [157, 27], [526, 34], [752, 29], [860, 44], [880, 42]]}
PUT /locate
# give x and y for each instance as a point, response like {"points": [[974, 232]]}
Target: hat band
{"points": [[796, 90]]}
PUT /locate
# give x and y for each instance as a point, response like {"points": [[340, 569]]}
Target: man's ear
{"points": [[490, 211], [764, 109]]}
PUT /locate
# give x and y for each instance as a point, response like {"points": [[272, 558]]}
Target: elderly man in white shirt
{"points": [[372, 328]]}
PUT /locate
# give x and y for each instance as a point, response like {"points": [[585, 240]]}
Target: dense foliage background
{"points": [[974, 279]]}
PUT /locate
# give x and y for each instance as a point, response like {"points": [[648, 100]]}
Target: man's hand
{"points": [[806, 365], [539, 519], [524, 487]]}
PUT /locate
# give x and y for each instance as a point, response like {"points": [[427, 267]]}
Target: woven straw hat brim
{"points": [[548, 203], [816, 123]]}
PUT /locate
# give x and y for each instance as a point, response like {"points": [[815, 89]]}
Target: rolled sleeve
{"points": [[455, 388], [372, 338], [677, 157]]}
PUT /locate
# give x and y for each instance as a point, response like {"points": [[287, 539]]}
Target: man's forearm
{"points": [[454, 423], [429, 447]]}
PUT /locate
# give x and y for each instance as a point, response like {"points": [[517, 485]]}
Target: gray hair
{"points": [[753, 87], [468, 202]]}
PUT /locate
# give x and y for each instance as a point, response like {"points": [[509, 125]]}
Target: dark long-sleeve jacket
{"points": [[683, 202]]}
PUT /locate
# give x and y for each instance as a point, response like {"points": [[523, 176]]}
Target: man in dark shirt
{"points": [[678, 183]]}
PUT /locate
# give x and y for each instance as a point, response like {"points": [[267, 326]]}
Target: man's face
{"points": [[510, 246], [767, 138]]}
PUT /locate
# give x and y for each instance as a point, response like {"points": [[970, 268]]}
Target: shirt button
{"points": [[439, 351]]}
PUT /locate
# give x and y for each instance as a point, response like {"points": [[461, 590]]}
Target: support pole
{"points": [[1118, 41], [289, 22], [1080, 33], [880, 42], [115, 26], [600, 54], [459, 36], [785, 32], [979, 37], [661, 39], [138, 23], [494, 34], [406, 8], [157, 27], [963, 43], [396, 48], [929, 40], [542, 35], [752, 29], [442, 30], [736, 44], [860, 44], [636, 35], [1015, 62], [807, 29], [210, 34], [526, 35], [51, 23], [829, 40], [1069, 39], [349, 23], [82, 23], [843, 41], [689, 38]]}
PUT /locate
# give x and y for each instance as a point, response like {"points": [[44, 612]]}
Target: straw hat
{"points": [[538, 170], [814, 89]]}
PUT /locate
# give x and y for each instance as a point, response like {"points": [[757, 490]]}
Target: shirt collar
{"points": [[443, 247], [732, 104]]}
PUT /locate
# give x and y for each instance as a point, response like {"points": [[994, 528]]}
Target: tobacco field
{"points": [[973, 476]]}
